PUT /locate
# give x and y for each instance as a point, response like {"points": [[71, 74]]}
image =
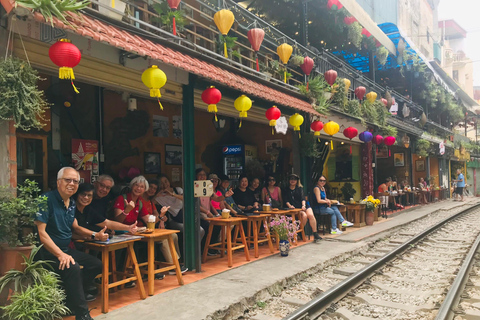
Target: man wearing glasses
{"points": [[102, 198], [55, 224]]}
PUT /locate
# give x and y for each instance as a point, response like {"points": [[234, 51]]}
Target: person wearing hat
{"points": [[218, 206], [294, 198]]}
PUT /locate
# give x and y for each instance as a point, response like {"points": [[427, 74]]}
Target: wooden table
{"points": [[292, 213], [254, 236], [105, 249], [226, 244], [358, 215], [156, 236]]}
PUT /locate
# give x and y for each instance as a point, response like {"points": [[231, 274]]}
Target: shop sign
{"points": [[232, 150], [441, 146], [202, 188]]}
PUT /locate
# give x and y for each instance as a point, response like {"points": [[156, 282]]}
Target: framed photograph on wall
{"points": [[399, 159], [273, 146], [173, 154], [382, 152], [420, 165], [151, 162]]}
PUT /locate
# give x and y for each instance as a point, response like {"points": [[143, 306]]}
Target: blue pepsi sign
{"points": [[232, 150]]}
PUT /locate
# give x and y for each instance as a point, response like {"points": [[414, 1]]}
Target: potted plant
{"points": [[370, 206], [50, 8], [17, 214], [285, 230], [348, 191], [166, 15], [37, 291]]}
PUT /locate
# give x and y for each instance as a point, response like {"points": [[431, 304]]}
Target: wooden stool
{"points": [[226, 244], [254, 236]]}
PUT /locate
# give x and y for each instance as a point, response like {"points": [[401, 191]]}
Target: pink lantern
{"points": [[334, 5], [255, 37], [330, 77], [360, 92], [389, 141], [349, 20], [307, 67], [378, 139], [366, 33]]}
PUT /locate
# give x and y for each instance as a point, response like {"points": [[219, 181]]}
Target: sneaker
{"points": [[90, 297], [85, 316], [182, 269], [347, 224], [159, 276], [212, 252], [336, 231]]}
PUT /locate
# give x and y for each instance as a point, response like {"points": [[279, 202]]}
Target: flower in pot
{"points": [[285, 229], [370, 205], [17, 214]]}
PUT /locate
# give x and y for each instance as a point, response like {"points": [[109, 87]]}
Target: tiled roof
{"points": [[97, 30]]}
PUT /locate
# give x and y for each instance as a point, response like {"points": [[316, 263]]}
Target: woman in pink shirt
{"points": [[273, 193]]}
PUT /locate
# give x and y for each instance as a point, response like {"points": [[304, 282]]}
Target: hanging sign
{"points": [[441, 146]]}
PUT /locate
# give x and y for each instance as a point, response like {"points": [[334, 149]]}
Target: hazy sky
{"points": [[466, 13]]}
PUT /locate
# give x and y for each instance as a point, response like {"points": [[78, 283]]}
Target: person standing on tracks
{"points": [[460, 184]]}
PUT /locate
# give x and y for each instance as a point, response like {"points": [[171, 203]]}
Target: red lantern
{"points": [[360, 92], [330, 76], [255, 37], [350, 133], [65, 55], [173, 4], [385, 102], [307, 67], [377, 43], [366, 33], [273, 114], [212, 96], [349, 20], [334, 5], [316, 126], [389, 141], [378, 139]]}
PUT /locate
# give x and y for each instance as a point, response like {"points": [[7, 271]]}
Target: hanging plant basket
{"points": [[20, 98]]}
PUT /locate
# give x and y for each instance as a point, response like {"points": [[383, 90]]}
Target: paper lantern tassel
{"points": [[350, 149], [331, 144], [174, 27], [67, 73], [225, 49], [155, 92], [307, 84], [272, 123], [389, 154], [160, 104], [113, 4], [256, 60], [285, 76]]}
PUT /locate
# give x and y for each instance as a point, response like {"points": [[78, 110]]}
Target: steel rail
{"points": [[317, 306], [454, 294]]}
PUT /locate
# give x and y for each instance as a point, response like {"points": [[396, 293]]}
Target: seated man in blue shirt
{"points": [[55, 224]]}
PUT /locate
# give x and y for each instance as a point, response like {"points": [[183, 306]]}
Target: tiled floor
{"points": [[214, 265]]}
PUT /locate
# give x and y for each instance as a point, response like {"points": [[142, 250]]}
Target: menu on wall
{"points": [[85, 159]]}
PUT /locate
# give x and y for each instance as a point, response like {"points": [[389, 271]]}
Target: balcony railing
{"points": [[201, 35]]}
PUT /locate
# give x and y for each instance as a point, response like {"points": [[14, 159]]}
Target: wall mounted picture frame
{"points": [[399, 159], [420, 165], [382, 153], [273, 146], [173, 154], [152, 162]]}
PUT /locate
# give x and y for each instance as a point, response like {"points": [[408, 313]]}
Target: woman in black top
{"points": [[244, 197], [295, 199], [255, 187]]}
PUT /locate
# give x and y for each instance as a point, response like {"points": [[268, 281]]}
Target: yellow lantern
{"points": [[284, 51], [224, 20], [242, 104], [331, 127], [347, 84], [296, 121], [371, 96], [154, 79]]}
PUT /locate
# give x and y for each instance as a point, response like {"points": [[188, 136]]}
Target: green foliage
{"points": [[309, 146], [348, 191], [339, 97], [50, 8], [422, 147], [35, 272], [20, 98], [353, 108], [354, 34], [375, 113], [389, 131], [261, 304], [382, 55], [166, 16], [18, 213], [297, 60], [316, 92], [39, 301]]}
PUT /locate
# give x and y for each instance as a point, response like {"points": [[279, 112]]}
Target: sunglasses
{"points": [[322, 180]]}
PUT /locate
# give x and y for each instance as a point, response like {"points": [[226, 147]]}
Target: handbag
{"points": [[274, 203]]}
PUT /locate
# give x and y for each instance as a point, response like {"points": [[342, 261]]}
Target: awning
{"points": [[102, 32]]}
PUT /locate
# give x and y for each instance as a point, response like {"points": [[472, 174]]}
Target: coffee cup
{"points": [[225, 213], [266, 207], [151, 225]]}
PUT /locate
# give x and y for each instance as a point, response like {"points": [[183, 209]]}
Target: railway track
{"points": [[405, 276]]}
